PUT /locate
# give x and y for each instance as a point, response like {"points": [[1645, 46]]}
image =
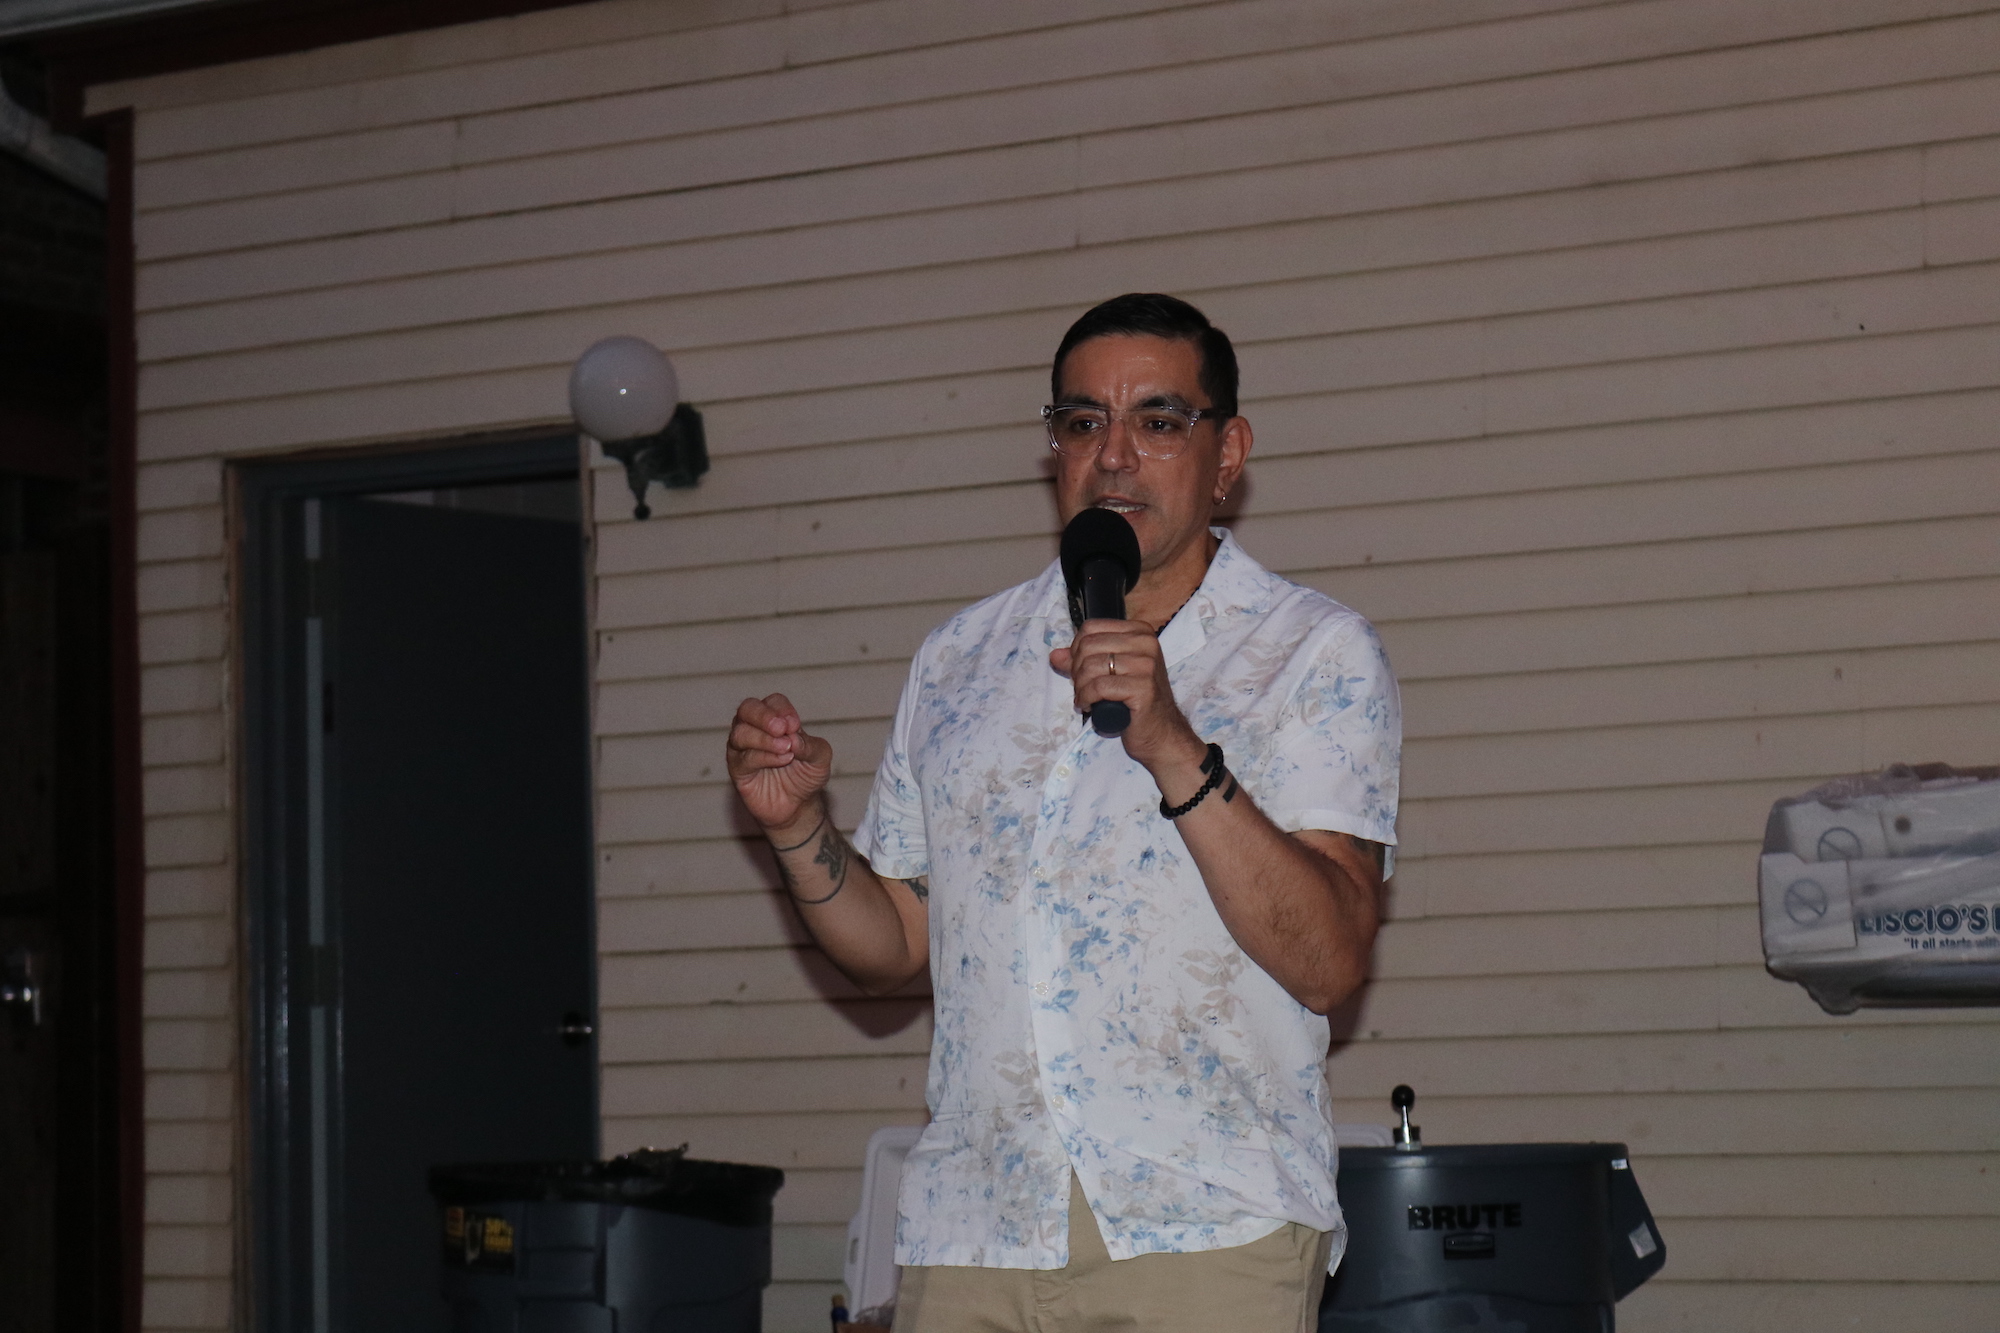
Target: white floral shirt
{"points": [[1093, 1013]]}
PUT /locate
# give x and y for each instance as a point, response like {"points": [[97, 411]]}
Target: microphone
{"points": [[1100, 563]]}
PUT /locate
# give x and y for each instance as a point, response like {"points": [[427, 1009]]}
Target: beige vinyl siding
{"points": [[1632, 365]]}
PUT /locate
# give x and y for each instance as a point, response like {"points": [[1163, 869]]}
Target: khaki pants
{"points": [[1271, 1285]]}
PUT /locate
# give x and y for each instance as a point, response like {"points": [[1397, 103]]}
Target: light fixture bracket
{"points": [[676, 457]]}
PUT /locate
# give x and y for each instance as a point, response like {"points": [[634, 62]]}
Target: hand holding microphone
{"points": [[1116, 665], [1100, 563]]}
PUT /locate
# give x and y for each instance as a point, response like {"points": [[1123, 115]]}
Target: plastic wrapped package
{"points": [[1884, 889]]}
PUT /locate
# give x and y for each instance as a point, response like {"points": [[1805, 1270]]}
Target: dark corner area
{"points": [[58, 938]]}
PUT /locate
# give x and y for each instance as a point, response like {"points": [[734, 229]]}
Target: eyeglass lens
{"points": [[1157, 432]]}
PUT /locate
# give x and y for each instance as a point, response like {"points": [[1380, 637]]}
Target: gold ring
{"points": [[1114, 664]]}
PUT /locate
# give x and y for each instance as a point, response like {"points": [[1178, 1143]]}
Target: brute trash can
{"points": [[645, 1243], [1488, 1237]]}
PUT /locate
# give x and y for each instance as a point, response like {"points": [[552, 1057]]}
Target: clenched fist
{"points": [[778, 767]]}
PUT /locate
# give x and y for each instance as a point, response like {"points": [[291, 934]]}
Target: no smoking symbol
{"points": [[1805, 902]]}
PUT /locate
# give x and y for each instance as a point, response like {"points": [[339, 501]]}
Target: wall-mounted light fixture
{"points": [[624, 394]]}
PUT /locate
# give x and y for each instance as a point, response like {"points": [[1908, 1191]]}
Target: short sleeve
{"points": [[1337, 759], [891, 835]]}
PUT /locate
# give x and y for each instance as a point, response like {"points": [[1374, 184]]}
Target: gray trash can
{"points": [[1489, 1238], [645, 1243]]}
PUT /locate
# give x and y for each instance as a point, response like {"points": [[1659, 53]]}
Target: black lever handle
{"points": [[1407, 1135], [574, 1030]]}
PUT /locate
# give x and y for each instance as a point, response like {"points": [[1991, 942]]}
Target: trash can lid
{"points": [[1432, 1156], [667, 1181]]}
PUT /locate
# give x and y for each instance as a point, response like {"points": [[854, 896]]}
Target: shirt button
{"points": [[1058, 1102], [1062, 770], [1041, 988]]}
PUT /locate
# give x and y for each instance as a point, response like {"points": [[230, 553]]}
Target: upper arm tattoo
{"points": [[1371, 851], [921, 886]]}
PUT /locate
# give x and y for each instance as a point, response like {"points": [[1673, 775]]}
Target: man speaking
{"points": [[1133, 940]]}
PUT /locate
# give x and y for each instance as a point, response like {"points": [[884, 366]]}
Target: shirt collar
{"points": [[1235, 584]]}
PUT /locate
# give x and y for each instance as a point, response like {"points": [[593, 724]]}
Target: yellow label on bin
{"points": [[483, 1241]]}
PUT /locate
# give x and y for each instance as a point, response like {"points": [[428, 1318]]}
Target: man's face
{"points": [[1167, 501]]}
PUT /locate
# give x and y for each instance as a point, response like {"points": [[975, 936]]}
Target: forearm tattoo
{"points": [[833, 854], [802, 841]]}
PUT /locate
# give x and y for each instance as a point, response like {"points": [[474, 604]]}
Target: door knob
{"points": [[574, 1030], [21, 984]]}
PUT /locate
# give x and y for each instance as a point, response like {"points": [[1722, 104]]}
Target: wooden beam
{"points": [[127, 807], [216, 35]]}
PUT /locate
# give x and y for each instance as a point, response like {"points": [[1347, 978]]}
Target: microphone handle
{"points": [[1104, 599]]}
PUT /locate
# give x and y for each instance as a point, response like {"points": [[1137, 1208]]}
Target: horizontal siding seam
{"points": [[1335, 512], [1215, 177], [1915, 204], [787, 63], [1380, 620], [817, 114], [821, 114], [1916, 266]]}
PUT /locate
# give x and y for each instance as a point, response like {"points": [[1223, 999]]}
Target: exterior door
{"points": [[58, 1076], [29, 953], [428, 978]]}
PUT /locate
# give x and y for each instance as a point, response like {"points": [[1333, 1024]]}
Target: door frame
{"points": [[266, 498]]}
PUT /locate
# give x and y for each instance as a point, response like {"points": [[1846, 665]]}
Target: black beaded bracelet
{"points": [[1212, 766]]}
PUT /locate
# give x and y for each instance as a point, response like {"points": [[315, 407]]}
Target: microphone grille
{"points": [[1099, 534]]}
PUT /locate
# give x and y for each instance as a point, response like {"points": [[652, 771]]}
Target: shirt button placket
{"points": [[1046, 1025]]}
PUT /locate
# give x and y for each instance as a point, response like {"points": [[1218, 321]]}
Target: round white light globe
{"points": [[622, 388]]}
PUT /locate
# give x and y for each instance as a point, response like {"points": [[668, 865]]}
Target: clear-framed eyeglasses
{"points": [[1156, 432]]}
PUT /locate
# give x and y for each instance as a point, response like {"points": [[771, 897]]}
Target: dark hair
{"points": [[1150, 314]]}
